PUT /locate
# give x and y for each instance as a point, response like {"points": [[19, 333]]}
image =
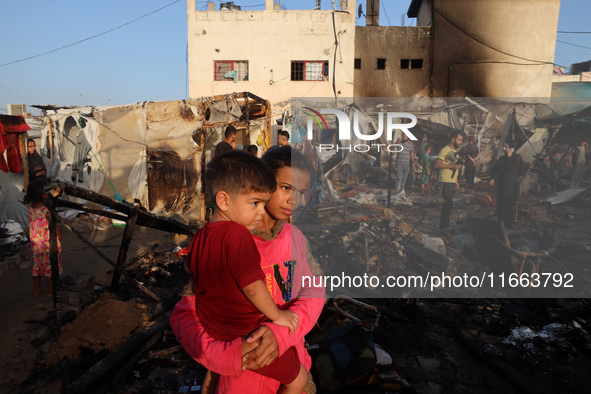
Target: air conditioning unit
{"points": [[17, 109]]}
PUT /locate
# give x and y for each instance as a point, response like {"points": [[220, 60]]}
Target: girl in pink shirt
{"points": [[284, 262]]}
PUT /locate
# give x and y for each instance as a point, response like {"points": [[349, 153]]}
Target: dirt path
{"points": [[18, 306]]}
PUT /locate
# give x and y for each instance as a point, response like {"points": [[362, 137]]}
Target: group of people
{"points": [[39, 218], [229, 142], [248, 311], [506, 173]]}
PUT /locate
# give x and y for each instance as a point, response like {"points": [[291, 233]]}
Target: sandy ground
{"points": [[23, 314], [438, 345]]}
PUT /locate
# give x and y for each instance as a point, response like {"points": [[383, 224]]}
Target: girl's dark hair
{"points": [[286, 156], [34, 191]]}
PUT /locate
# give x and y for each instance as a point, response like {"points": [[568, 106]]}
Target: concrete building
{"points": [[273, 53], [392, 61], [476, 48], [487, 48]]}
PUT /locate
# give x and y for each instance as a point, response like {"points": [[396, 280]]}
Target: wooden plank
{"points": [[50, 133], [144, 219], [115, 358], [53, 252], [127, 234], [108, 260], [85, 208]]}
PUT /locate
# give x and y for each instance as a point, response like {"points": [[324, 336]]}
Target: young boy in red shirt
{"points": [[232, 299]]}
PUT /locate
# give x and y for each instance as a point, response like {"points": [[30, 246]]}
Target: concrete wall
{"points": [[269, 40], [425, 14], [464, 67], [392, 43], [566, 78]]}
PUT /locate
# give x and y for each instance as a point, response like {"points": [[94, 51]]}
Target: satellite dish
{"points": [[360, 11]]}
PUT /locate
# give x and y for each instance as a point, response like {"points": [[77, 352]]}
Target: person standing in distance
{"points": [[579, 162], [282, 138], [507, 173], [472, 156], [448, 166], [228, 143], [405, 162]]}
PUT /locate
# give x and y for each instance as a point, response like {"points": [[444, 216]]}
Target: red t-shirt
{"points": [[224, 259]]}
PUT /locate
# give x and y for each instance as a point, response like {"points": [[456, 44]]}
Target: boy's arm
{"points": [[222, 357], [257, 293]]}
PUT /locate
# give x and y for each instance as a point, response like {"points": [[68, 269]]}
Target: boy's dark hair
{"points": [[34, 191], [283, 133], [252, 149], [238, 172], [230, 130], [286, 156]]}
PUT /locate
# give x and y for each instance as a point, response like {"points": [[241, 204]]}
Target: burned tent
{"points": [[150, 151]]}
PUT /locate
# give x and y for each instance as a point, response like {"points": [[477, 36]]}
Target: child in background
{"points": [[427, 169], [39, 236], [253, 150], [232, 299]]}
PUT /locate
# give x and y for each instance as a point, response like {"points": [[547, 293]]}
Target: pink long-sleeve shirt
{"points": [[284, 264]]}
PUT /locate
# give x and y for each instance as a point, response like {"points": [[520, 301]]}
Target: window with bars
{"points": [[309, 70], [223, 70], [411, 63]]}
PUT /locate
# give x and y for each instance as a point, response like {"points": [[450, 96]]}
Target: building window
{"points": [[309, 71], [357, 64], [381, 64], [228, 70], [411, 63]]}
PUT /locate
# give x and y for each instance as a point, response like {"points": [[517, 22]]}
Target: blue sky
{"points": [[146, 59]]}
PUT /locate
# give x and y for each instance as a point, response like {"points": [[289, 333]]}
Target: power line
{"points": [[90, 38], [573, 32], [385, 13], [13, 93], [575, 45], [487, 45]]}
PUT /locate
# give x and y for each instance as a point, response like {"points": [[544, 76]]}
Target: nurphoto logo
{"points": [[344, 129]]}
